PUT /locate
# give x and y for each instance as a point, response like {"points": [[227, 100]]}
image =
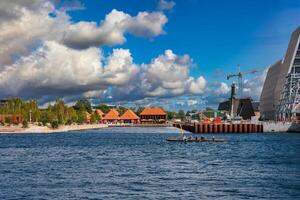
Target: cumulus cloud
{"points": [[112, 29], [166, 5], [45, 55], [168, 75], [25, 24], [57, 70]]}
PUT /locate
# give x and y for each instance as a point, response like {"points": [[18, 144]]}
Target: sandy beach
{"points": [[44, 129]]}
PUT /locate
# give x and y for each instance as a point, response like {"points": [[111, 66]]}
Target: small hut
{"points": [[129, 117], [112, 116]]}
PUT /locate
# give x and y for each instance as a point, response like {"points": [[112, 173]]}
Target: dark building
{"points": [[241, 107]]}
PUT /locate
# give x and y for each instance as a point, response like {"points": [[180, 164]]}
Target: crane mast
{"points": [[240, 76]]}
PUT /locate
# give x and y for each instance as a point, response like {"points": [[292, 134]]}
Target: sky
{"points": [[170, 53]]}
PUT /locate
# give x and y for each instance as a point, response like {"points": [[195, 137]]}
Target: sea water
{"points": [[137, 163]]}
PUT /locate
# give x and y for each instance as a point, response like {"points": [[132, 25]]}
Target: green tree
{"points": [[139, 110], [121, 110], [60, 111], [72, 115], [95, 117], [105, 108], [172, 115], [54, 124], [45, 117], [83, 105], [181, 114], [81, 117], [25, 124]]}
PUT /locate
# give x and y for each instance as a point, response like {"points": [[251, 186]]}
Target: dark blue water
{"points": [[137, 163]]}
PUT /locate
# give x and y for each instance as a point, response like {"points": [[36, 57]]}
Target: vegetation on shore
{"points": [[57, 114], [61, 114]]}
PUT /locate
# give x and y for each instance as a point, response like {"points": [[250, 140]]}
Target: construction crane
{"points": [[240, 76]]}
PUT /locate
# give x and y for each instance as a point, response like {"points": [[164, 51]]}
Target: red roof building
{"points": [[100, 113], [153, 116], [112, 116], [129, 117]]}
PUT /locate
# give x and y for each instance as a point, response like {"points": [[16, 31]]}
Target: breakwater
{"points": [[221, 128]]}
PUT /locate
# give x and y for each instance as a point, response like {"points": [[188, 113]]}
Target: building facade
{"points": [[280, 95], [153, 116]]}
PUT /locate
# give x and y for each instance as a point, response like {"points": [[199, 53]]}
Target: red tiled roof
{"points": [[129, 115], [111, 115], [153, 111], [100, 113]]}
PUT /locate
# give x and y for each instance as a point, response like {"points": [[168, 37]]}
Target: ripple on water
{"points": [[137, 163]]}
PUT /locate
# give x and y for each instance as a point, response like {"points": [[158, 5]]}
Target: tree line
{"points": [[57, 114], [62, 114]]}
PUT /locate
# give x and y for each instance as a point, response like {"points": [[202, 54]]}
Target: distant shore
{"points": [[44, 129]]}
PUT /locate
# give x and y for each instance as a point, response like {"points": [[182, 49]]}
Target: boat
{"points": [[194, 140]]}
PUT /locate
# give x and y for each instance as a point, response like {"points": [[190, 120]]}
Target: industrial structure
{"points": [[237, 107], [280, 96]]}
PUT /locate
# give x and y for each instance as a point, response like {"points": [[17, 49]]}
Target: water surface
{"points": [[137, 163]]}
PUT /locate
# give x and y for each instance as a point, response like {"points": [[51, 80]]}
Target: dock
{"points": [[221, 128]]}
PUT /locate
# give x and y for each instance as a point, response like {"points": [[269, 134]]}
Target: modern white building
{"points": [[280, 96]]}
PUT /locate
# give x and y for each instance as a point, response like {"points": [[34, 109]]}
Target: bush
{"points": [[54, 124], [25, 124], [69, 122], [7, 120]]}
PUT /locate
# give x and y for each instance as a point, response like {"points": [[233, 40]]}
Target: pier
{"points": [[221, 128]]}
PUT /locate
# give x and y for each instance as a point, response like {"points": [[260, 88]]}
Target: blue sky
{"points": [[215, 33], [133, 52]]}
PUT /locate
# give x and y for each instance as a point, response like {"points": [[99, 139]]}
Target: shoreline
{"points": [[44, 129]]}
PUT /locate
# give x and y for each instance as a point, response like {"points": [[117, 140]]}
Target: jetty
{"points": [[221, 127]]}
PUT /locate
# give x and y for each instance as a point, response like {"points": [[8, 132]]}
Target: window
{"points": [[297, 69], [297, 61]]}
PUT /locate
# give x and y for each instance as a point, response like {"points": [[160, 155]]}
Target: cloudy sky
{"points": [[139, 52]]}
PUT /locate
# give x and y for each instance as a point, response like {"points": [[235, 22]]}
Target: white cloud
{"points": [[31, 22], [166, 5], [168, 74], [45, 55], [222, 89], [146, 24], [198, 86], [57, 69], [113, 28]]}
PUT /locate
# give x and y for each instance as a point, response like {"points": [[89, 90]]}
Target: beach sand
{"points": [[44, 129]]}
